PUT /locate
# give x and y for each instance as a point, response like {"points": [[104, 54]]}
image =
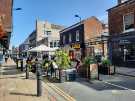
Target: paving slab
{"points": [[14, 86]]}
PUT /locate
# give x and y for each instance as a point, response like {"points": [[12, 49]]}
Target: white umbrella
{"points": [[42, 48]]}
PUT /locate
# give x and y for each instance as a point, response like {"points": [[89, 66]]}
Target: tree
{"points": [[63, 62], [62, 59]]}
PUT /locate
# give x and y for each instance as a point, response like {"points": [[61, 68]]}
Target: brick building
{"points": [[122, 33], [84, 38], [5, 22]]}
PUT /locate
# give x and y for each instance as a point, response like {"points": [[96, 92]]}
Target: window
{"points": [[70, 38], [55, 44], [58, 45], [77, 35], [63, 39], [51, 44], [47, 32], [128, 22]]}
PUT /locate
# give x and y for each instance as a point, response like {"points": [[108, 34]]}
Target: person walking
{"points": [[78, 64]]}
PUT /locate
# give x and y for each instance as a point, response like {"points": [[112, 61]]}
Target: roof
{"points": [[79, 23], [122, 4]]}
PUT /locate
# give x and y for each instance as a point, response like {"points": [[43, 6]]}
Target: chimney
{"points": [[119, 1]]}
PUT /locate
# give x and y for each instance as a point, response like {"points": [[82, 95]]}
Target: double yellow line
{"points": [[60, 92]]}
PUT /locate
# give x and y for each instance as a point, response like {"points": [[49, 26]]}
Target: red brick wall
{"points": [[6, 11], [115, 17], [92, 28]]}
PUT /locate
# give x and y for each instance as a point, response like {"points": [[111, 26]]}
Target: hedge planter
{"points": [[92, 68], [106, 67], [71, 74], [107, 70], [62, 76], [63, 61]]}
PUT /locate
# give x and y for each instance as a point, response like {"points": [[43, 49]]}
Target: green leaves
{"points": [[106, 62], [62, 59], [89, 60]]}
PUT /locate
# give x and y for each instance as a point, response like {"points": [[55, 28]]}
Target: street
{"points": [[108, 88], [111, 88]]}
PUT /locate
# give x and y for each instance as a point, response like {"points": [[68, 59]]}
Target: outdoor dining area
{"points": [[54, 63]]}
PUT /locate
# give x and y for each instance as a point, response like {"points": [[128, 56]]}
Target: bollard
{"points": [[27, 71], [22, 65], [39, 80], [114, 69], [17, 64]]}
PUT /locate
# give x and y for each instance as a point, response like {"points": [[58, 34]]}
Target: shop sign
{"points": [[76, 45]]}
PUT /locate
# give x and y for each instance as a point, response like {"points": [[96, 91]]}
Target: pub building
{"points": [[122, 33], [75, 40]]}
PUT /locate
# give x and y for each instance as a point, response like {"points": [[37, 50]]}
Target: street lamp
{"points": [[78, 17], [16, 9]]}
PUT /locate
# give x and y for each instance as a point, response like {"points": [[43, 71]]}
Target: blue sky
{"points": [[55, 11]]}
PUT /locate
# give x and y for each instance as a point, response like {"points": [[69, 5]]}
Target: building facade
{"points": [[5, 22], [45, 33], [122, 33], [83, 39]]}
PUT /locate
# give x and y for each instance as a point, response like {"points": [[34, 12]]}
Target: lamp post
{"points": [[78, 17], [16, 9]]}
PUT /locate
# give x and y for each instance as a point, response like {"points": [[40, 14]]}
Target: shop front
{"points": [[74, 50], [123, 51]]}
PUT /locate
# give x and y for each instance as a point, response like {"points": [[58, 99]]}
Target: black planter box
{"points": [[106, 70]]}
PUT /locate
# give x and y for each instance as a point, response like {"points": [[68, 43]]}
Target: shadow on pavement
{"points": [[52, 80], [10, 66], [13, 77], [11, 72], [98, 85], [23, 94]]}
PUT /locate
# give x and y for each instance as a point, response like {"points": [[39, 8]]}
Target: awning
{"points": [[42, 48]]}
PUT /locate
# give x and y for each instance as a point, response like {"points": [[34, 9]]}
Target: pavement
{"points": [[14, 86], [125, 71], [108, 88]]}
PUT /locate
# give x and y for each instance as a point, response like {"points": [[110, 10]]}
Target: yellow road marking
{"points": [[60, 91]]}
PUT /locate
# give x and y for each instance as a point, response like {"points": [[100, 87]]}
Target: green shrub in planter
{"points": [[90, 64], [63, 62], [106, 62], [89, 60], [105, 68]]}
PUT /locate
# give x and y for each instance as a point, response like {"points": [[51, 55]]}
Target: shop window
{"points": [[77, 35], [71, 54], [128, 22], [58, 44], [51, 44], [55, 44], [130, 53]]}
